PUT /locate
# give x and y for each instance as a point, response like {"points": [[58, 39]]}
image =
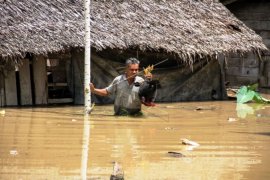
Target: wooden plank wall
{"points": [[10, 89], [242, 70], [2, 89], [40, 80], [78, 78], [255, 14], [25, 83]]}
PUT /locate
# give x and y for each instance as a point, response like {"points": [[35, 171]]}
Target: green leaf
{"points": [[253, 87], [258, 98], [244, 95], [247, 93]]}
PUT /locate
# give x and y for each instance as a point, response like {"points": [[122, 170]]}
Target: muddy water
{"points": [[57, 143]]}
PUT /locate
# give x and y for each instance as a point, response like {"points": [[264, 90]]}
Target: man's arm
{"points": [[100, 92]]}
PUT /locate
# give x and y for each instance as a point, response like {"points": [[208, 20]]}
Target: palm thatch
{"points": [[186, 28], [226, 2]]}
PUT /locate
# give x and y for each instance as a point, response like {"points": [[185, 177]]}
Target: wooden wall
{"points": [[242, 70], [247, 70], [40, 80], [23, 87], [25, 83], [10, 88], [78, 76], [2, 89]]}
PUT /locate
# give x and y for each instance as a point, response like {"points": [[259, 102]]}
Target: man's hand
{"points": [[92, 87], [147, 103], [100, 92], [148, 76]]}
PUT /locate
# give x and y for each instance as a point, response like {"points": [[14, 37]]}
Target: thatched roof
{"points": [[226, 2], [182, 27]]}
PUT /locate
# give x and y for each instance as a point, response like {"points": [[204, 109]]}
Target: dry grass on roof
{"points": [[186, 28]]}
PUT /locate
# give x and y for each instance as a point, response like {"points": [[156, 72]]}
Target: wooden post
{"points": [[87, 59], [87, 92]]}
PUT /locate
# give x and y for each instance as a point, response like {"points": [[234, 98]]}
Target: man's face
{"points": [[132, 70]]}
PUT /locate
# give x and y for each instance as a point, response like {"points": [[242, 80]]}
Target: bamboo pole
{"points": [[87, 92], [87, 59]]}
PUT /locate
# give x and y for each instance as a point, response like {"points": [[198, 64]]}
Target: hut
{"points": [[41, 47], [249, 69]]}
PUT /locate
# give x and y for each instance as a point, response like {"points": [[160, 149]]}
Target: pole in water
{"points": [[87, 59]]}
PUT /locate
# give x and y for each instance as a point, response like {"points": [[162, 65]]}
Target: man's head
{"points": [[132, 61], [132, 67]]}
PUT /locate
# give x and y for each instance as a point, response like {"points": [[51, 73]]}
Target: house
{"points": [[41, 50], [251, 68]]}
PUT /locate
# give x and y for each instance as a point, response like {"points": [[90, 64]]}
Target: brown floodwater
{"points": [[59, 143]]}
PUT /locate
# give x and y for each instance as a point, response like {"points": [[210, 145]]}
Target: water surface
{"points": [[58, 143]]}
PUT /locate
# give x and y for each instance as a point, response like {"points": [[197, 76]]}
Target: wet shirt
{"points": [[126, 96]]}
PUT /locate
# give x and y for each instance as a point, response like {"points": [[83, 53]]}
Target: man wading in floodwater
{"points": [[127, 101]]}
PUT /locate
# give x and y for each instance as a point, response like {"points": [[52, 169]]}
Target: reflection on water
{"points": [[85, 146], [58, 143], [243, 110]]}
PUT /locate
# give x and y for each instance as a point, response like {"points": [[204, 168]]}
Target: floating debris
{"points": [[231, 93], [2, 112], [188, 142], [118, 173], [176, 154], [170, 107], [199, 108], [169, 128], [230, 119], [13, 152]]}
